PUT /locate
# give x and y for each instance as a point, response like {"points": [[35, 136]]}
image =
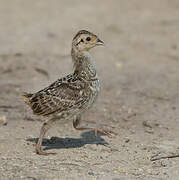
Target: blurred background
{"points": [[139, 74]]}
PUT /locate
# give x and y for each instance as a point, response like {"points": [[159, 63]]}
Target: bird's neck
{"points": [[84, 64]]}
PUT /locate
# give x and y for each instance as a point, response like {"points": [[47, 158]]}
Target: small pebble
{"points": [[127, 140], [91, 173], [3, 121]]}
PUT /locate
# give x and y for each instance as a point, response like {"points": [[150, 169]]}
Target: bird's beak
{"points": [[99, 42]]}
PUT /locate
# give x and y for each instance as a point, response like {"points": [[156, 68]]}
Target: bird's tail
{"points": [[27, 97]]}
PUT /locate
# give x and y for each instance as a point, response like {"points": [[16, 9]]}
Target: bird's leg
{"points": [[43, 131], [77, 121]]}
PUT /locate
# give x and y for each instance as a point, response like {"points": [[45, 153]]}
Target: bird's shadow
{"points": [[65, 143]]}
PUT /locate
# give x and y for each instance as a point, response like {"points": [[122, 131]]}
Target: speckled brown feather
{"points": [[63, 95]]}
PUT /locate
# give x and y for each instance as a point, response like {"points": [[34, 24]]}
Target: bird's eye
{"points": [[88, 39]]}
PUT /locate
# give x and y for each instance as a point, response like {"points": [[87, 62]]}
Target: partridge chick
{"points": [[69, 97]]}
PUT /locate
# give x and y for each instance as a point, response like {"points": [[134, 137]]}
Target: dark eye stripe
{"points": [[88, 39]]}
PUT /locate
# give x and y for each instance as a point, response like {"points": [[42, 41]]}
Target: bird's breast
{"points": [[93, 91]]}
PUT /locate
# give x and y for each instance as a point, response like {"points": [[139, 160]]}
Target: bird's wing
{"points": [[63, 95]]}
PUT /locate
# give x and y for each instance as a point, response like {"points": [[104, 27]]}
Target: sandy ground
{"points": [[139, 100]]}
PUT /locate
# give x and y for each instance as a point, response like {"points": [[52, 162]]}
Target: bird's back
{"points": [[69, 94]]}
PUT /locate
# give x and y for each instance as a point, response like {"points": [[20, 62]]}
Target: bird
{"points": [[70, 96]]}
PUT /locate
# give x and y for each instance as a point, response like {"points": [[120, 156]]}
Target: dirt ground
{"points": [[139, 100]]}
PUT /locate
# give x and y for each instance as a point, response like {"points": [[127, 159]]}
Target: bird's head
{"points": [[85, 40]]}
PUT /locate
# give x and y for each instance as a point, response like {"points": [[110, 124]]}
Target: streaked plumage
{"points": [[69, 96]]}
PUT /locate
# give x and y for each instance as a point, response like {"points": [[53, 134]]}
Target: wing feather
{"points": [[59, 96]]}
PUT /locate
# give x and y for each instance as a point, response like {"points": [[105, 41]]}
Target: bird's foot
{"points": [[109, 133], [39, 151]]}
